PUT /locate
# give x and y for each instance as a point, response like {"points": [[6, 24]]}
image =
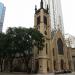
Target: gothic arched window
{"points": [[38, 20], [46, 48], [45, 20], [60, 46]]}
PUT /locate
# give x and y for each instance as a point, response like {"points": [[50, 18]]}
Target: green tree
{"points": [[22, 40], [2, 48]]}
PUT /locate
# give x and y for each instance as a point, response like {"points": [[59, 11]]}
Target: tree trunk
{"points": [[1, 65], [26, 64], [11, 61]]}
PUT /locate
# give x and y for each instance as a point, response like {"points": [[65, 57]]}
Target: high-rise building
{"points": [[2, 14], [56, 14]]}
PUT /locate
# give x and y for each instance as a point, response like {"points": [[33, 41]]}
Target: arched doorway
{"points": [[36, 66], [62, 64], [47, 67], [54, 65]]}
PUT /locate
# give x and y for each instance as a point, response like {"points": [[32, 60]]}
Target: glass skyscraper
{"points": [[55, 14], [2, 14]]}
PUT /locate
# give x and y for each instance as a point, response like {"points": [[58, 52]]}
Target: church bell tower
{"points": [[42, 23]]}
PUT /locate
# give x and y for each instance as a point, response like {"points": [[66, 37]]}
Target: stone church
{"points": [[55, 56]]}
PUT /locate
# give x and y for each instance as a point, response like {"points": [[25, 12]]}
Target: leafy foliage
{"points": [[21, 41]]}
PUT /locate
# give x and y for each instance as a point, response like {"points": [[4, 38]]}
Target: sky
{"points": [[21, 13]]}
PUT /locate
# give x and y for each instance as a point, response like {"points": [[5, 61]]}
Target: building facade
{"points": [[55, 56], [2, 14], [70, 42], [55, 12]]}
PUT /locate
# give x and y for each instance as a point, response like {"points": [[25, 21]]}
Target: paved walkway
{"points": [[33, 74], [12, 74]]}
